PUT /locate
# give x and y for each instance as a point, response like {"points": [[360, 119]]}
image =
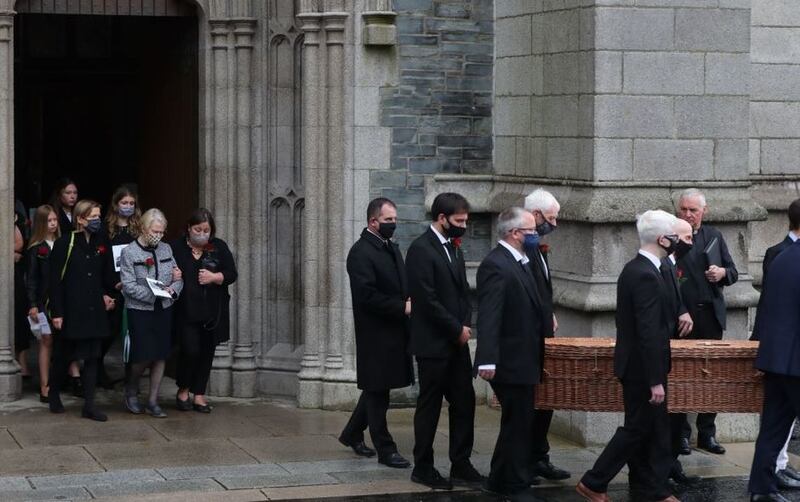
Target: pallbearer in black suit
{"points": [[511, 327], [381, 306], [778, 324], [787, 476], [544, 208], [645, 312], [701, 286], [440, 330]]}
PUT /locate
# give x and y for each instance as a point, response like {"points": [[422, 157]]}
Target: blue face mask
{"points": [[531, 242], [126, 211], [94, 225]]}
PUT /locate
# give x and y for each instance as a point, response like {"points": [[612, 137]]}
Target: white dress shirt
{"points": [[444, 242], [653, 259]]}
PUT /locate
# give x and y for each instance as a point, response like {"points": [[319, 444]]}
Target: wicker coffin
{"points": [[706, 376]]}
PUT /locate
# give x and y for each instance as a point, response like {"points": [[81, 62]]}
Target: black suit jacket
{"points": [[696, 288], [769, 256], [544, 286], [440, 304], [510, 320], [778, 317], [644, 304], [676, 299], [379, 289]]}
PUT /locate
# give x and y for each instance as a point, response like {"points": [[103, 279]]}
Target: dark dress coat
{"points": [[511, 321], [379, 289], [696, 288], [64, 223], [769, 256], [37, 278], [644, 316], [78, 297], [440, 305], [544, 286], [778, 316], [207, 305]]}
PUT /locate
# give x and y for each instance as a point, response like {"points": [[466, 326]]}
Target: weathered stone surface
{"points": [[633, 116], [634, 29], [712, 30], [663, 73], [673, 159], [728, 74], [711, 117]]}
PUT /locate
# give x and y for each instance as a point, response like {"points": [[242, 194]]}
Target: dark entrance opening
{"points": [[107, 100]]}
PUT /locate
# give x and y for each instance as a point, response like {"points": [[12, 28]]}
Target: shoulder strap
{"points": [[69, 253]]}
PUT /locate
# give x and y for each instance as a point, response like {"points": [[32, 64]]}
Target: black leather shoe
{"points": [[183, 405], [711, 445], [547, 470], [201, 408], [768, 497], [77, 386], [132, 405], [786, 482], [465, 473], [791, 472], [682, 478], [54, 402], [359, 448], [431, 479], [685, 449], [393, 460], [43, 398], [96, 415]]}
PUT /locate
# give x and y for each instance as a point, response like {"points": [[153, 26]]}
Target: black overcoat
{"points": [[379, 289], [37, 277], [78, 297]]}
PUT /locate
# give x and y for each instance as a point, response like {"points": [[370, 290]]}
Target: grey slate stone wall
{"points": [[440, 113]]}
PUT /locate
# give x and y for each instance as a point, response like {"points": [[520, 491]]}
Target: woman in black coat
{"points": [[203, 314], [63, 201], [81, 285]]}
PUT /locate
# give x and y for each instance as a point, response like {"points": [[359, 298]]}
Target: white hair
{"points": [[693, 192], [653, 224], [541, 200], [509, 219], [151, 216]]}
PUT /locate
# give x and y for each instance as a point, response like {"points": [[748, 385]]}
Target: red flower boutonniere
{"points": [[456, 242], [101, 249], [544, 248], [43, 251], [679, 273], [149, 262]]}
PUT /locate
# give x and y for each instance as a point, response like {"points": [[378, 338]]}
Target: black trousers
{"points": [[706, 327], [510, 472], [371, 412], [195, 358], [643, 441], [781, 407], [540, 427], [449, 378], [66, 351]]}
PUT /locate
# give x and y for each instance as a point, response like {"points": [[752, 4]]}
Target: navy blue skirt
{"points": [[150, 333]]}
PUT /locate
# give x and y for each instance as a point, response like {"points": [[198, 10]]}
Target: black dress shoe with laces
{"points": [[359, 448], [394, 459], [682, 478], [465, 473], [785, 482], [546, 470], [431, 479], [711, 445], [768, 497], [685, 449]]}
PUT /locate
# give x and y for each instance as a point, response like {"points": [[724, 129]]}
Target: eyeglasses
{"points": [[531, 230]]}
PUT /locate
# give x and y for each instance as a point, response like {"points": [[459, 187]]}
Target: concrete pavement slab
{"points": [[149, 487], [190, 496], [100, 478], [196, 425], [207, 471], [49, 494], [292, 448], [307, 479], [212, 451], [353, 464], [341, 490], [85, 432], [43, 461]]}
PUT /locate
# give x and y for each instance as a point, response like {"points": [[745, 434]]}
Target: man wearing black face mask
{"points": [[381, 307], [440, 330]]}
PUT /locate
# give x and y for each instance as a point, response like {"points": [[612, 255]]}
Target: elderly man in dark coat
{"points": [[380, 309]]}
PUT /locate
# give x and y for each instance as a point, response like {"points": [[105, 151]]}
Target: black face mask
{"points": [[682, 248], [545, 228], [386, 230], [673, 244], [454, 232]]}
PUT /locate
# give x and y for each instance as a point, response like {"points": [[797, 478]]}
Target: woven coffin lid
{"points": [[579, 348]]}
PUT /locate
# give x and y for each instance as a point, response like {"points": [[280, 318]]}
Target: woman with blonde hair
{"points": [[81, 286], [37, 282], [149, 315]]}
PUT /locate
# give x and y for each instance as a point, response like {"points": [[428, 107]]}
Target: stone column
{"points": [[315, 323], [10, 380], [249, 283], [222, 151]]}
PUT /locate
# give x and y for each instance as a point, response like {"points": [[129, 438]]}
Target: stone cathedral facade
{"points": [[307, 109]]}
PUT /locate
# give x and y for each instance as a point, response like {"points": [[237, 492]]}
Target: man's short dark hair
{"points": [[375, 206], [448, 204], [794, 215]]}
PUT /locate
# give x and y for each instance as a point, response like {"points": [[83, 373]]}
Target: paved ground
{"points": [[250, 450]]}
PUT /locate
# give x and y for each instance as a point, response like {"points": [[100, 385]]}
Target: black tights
{"points": [[156, 375]]}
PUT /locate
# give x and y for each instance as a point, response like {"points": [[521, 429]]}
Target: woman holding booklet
{"points": [[151, 283]]}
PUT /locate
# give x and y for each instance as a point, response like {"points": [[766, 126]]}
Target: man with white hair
{"points": [[645, 312], [704, 272], [544, 207], [510, 347]]}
